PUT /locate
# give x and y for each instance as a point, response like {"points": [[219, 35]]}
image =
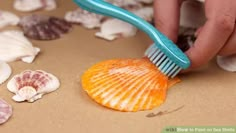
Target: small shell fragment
{"points": [[5, 71], [114, 28], [14, 46], [33, 5], [41, 27], [5, 111], [32, 85], [8, 18], [227, 63], [126, 84], [87, 19]]}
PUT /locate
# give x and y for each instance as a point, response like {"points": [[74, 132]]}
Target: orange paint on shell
{"points": [[127, 84]]}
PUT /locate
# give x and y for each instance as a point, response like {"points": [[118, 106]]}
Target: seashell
{"points": [[227, 63], [87, 19], [14, 45], [126, 84], [8, 18], [32, 5], [114, 28], [124, 3], [5, 71], [41, 27], [5, 111], [145, 13], [32, 85]]}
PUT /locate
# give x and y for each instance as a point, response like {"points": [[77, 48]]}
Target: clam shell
{"points": [[32, 5], [8, 18], [41, 27], [87, 19], [126, 84], [227, 63], [32, 85], [5, 111], [145, 13], [114, 28], [14, 46], [5, 71]]}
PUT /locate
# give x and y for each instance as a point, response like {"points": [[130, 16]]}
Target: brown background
{"points": [[208, 95]]}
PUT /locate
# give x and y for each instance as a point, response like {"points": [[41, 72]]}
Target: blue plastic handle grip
{"points": [[160, 40]]}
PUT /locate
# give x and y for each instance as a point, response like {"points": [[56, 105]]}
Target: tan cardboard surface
{"points": [[208, 96]]}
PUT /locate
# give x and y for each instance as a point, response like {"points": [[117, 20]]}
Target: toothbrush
{"points": [[163, 53]]}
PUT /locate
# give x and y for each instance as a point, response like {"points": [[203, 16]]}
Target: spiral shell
{"points": [[126, 84], [5, 111], [32, 85]]}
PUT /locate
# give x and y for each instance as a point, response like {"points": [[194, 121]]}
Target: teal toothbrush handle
{"points": [[160, 40]]}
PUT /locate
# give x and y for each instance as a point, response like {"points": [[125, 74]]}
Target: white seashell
{"points": [[32, 5], [14, 45], [87, 19], [5, 71], [145, 13], [124, 3], [227, 63], [8, 18], [114, 28], [5, 111], [32, 85]]}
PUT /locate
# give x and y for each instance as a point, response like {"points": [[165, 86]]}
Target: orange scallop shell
{"points": [[126, 84]]}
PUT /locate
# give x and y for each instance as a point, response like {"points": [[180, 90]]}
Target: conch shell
{"points": [[8, 18], [32, 85], [14, 45], [32, 5], [5, 71]]}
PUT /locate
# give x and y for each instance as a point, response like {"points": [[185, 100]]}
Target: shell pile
{"points": [[5, 111], [111, 28], [5, 71], [41, 27], [33, 5], [32, 85], [14, 46], [126, 84], [8, 18]]}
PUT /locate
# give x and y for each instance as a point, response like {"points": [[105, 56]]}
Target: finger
{"points": [[167, 13], [213, 35], [230, 46]]}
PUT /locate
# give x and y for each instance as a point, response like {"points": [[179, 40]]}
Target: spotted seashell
{"points": [[33, 5], [5, 71], [8, 18], [126, 84], [5, 111], [41, 27], [115, 28], [32, 85], [87, 19], [227, 63]]}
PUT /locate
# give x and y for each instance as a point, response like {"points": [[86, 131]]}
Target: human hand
{"points": [[216, 37]]}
